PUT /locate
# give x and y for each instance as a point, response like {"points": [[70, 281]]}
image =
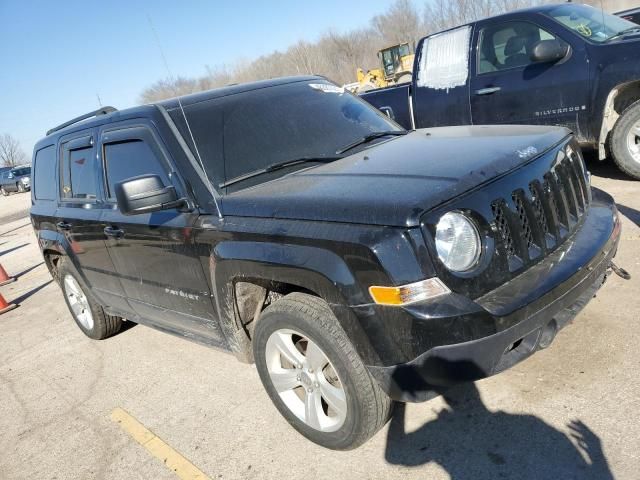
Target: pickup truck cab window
{"points": [[509, 45]]}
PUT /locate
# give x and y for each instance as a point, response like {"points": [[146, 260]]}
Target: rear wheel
{"points": [[3, 192], [314, 376], [87, 313], [625, 141]]}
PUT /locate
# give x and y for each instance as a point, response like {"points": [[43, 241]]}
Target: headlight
{"points": [[25, 180], [457, 242]]}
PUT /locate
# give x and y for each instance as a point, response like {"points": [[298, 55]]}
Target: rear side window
{"points": [[129, 159], [78, 171], [44, 185]]}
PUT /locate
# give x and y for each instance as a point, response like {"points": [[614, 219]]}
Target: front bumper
{"points": [[525, 313]]}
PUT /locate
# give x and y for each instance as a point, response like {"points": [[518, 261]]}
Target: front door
{"points": [[508, 87], [155, 256]]}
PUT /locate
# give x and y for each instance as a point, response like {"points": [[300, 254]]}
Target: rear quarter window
{"points": [[44, 172]]}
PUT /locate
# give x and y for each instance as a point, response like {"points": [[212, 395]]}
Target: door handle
{"points": [[113, 232], [64, 226], [487, 91]]}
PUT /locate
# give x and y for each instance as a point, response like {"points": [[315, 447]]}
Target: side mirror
{"points": [[145, 194], [549, 51], [10, 175]]}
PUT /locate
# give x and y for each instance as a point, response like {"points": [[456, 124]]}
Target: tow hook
{"points": [[621, 272]]}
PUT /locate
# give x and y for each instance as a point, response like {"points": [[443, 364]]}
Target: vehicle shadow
{"points": [[631, 213], [469, 441], [604, 169], [31, 292], [27, 270], [13, 249]]}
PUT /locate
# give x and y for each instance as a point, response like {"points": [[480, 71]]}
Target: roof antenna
{"points": [[99, 101], [212, 190]]}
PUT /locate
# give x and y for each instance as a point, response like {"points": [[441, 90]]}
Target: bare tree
{"points": [[337, 55], [11, 154], [400, 23]]}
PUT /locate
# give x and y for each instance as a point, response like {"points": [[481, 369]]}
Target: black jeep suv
{"points": [[290, 223]]}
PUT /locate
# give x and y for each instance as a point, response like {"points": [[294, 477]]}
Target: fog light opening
{"points": [[513, 346]]}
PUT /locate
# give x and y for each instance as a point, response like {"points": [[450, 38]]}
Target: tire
{"points": [[306, 321], [20, 187], [625, 141], [99, 325], [4, 192]]}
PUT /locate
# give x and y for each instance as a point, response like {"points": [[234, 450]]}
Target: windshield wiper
{"points": [[280, 165], [624, 32], [368, 138]]}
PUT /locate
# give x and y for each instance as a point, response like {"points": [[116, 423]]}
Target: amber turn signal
{"points": [[410, 293]]}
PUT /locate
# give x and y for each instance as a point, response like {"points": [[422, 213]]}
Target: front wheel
{"points": [[20, 187], [625, 141], [314, 376]]}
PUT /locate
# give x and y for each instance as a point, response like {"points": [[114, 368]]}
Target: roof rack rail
{"points": [[95, 113]]}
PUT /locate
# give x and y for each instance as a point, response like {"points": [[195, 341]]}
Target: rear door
{"points": [[78, 217], [155, 255], [507, 87]]}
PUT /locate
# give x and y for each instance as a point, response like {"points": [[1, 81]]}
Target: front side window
{"points": [[509, 46], [124, 160], [590, 22], [78, 174]]}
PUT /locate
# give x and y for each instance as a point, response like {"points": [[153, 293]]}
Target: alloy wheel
{"points": [[633, 141], [306, 381], [78, 302]]}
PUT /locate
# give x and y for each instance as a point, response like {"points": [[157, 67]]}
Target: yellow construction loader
{"points": [[397, 65]]}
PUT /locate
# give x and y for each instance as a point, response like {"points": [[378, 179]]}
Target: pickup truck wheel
{"points": [[314, 376], [88, 315], [625, 141]]}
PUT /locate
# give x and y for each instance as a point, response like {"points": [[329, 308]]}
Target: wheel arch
{"points": [[247, 276], [618, 100], [54, 247]]}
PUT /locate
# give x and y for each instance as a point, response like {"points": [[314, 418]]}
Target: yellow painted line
{"points": [[182, 467]]}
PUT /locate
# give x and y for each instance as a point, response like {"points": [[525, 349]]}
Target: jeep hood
{"points": [[394, 182]]}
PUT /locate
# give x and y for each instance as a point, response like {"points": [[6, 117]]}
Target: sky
{"points": [[56, 57]]}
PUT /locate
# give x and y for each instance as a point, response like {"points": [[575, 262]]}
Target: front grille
{"points": [[535, 220]]}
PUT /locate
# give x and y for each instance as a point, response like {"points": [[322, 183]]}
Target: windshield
{"points": [[21, 171], [249, 131], [589, 22]]}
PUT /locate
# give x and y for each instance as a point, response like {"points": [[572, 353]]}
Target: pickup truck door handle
{"points": [[63, 226], [113, 232], [487, 91]]}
